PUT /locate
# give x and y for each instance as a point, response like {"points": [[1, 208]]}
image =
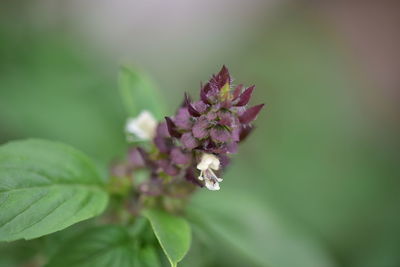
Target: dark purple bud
{"points": [[226, 119], [245, 96], [179, 157], [190, 107], [189, 141], [200, 128], [245, 131], [237, 91], [182, 119], [203, 93], [200, 106], [220, 134], [172, 128], [250, 114], [222, 77], [209, 145]]}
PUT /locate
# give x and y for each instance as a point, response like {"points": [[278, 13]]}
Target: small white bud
{"points": [[143, 126]]}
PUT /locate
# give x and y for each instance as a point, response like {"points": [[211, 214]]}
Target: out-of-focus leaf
{"points": [[45, 187], [201, 253], [102, 247], [172, 232], [18, 252], [148, 257], [52, 88], [139, 93], [242, 224]]}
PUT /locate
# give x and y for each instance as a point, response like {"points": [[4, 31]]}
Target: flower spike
{"points": [[192, 147]]}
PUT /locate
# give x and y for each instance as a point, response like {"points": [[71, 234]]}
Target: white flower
{"points": [[207, 164], [143, 126]]}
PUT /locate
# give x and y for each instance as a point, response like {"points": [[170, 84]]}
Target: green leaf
{"points": [[45, 187], [148, 257], [250, 228], [104, 246], [139, 93], [172, 232]]}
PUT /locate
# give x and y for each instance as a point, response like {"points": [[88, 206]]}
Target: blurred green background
{"points": [[318, 182]]}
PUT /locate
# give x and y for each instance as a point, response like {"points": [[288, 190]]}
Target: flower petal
{"points": [[219, 134], [226, 119], [200, 128], [189, 141], [182, 119], [212, 185], [179, 157], [200, 106]]}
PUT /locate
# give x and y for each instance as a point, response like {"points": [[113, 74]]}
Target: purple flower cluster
{"points": [[199, 137], [219, 121]]}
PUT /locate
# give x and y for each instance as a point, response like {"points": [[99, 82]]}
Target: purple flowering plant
{"points": [[190, 149], [47, 186]]}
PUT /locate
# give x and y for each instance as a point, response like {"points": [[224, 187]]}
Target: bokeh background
{"points": [[318, 182]]}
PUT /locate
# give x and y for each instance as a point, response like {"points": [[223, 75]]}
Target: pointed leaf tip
{"points": [[188, 99], [190, 107], [237, 91], [223, 77], [245, 131], [203, 93], [172, 128], [224, 72], [244, 98], [172, 232], [250, 114]]}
